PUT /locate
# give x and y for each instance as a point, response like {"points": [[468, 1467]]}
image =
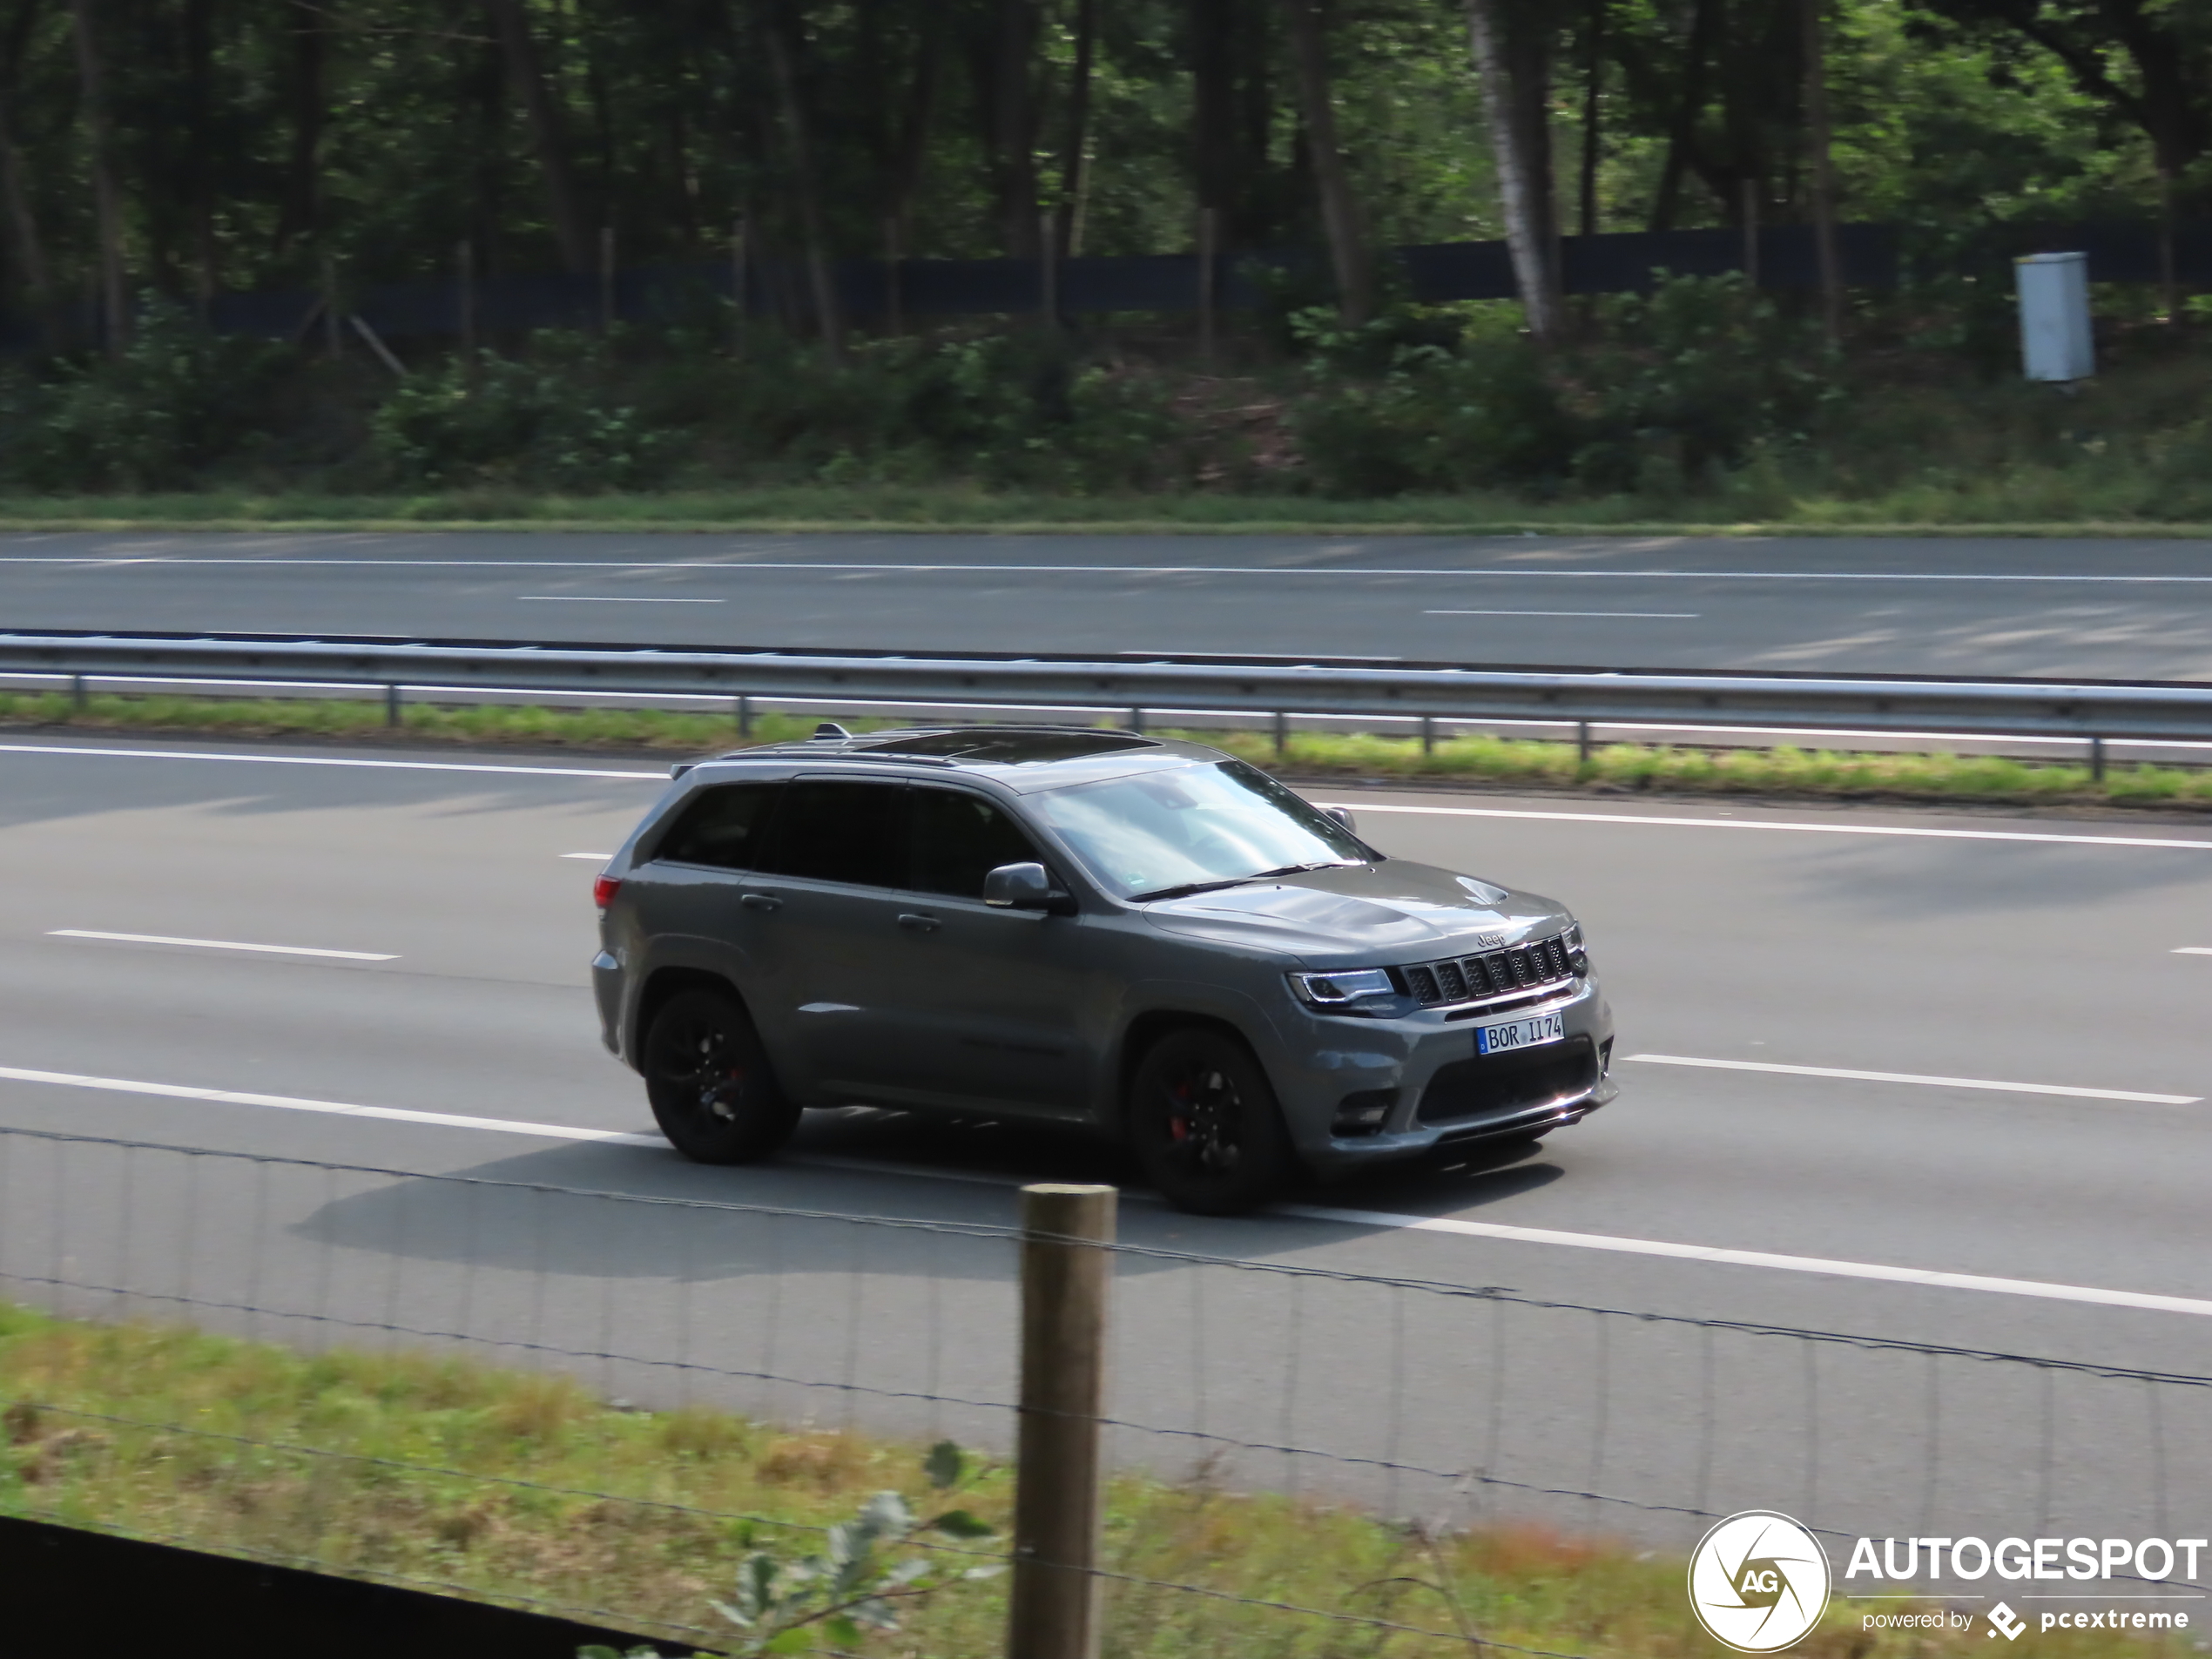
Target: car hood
{"points": [[1397, 911]]}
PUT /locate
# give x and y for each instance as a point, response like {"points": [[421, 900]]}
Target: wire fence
{"points": [[1440, 1407]]}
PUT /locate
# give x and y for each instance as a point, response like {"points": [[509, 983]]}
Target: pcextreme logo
{"points": [[1758, 1582]]}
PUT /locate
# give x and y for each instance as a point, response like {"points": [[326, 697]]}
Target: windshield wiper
{"points": [[1189, 887]]}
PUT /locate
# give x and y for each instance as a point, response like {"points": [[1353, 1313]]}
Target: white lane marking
{"points": [[596, 858], [1916, 1276], [610, 599], [322, 760], [336, 1109], [1759, 824], [221, 944], [2193, 950], [1912, 1077], [1665, 616], [936, 568]]}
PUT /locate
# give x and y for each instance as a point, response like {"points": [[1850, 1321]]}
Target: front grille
{"points": [[1500, 1085], [1465, 979]]}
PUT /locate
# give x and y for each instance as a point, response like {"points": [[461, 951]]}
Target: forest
{"points": [[158, 157]]}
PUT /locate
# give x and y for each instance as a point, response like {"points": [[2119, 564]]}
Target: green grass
{"points": [[1499, 762], [2013, 505], [519, 1487]]}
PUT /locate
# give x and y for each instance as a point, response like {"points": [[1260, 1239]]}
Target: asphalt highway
{"points": [[2037, 607], [1894, 1074]]}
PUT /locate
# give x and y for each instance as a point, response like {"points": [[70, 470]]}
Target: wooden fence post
{"points": [[1065, 1278]]}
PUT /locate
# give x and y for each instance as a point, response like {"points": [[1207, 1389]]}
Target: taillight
{"points": [[604, 890]]}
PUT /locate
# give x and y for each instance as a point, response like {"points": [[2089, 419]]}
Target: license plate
{"points": [[1520, 1034]]}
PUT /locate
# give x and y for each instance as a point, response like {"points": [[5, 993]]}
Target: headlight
{"points": [[1342, 990], [1578, 952]]}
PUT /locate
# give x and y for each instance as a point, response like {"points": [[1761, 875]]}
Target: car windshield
{"points": [[1160, 834]]}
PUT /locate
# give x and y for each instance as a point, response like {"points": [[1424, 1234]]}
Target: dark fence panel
{"points": [[780, 286]]}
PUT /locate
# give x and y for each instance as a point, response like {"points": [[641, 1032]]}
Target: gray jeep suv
{"points": [[1150, 939]]}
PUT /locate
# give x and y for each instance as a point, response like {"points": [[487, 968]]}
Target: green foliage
{"points": [[1674, 390], [848, 1588], [176, 400], [1022, 409], [547, 420]]}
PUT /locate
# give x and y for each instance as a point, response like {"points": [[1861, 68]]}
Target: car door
{"points": [[828, 877], [987, 1003]]}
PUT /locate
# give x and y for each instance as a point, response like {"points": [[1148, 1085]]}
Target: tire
{"points": [[714, 1092], [1204, 1124]]}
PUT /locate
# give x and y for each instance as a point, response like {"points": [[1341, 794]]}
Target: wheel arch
{"points": [[1146, 1030], [665, 983]]}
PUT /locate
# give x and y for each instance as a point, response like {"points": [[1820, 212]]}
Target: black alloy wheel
{"points": [[1203, 1123], [712, 1091]]}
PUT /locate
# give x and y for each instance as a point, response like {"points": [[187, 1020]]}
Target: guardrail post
{"points": [[1136, 721], [77, 695], [1582, 741], [1428, 735], [1065, 1277], [744, 716], [2097, 760], [391, 704], [1281, 735]]}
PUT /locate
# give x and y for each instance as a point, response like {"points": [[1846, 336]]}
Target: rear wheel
{"points": [[712, 1091], [1203, 1123]]}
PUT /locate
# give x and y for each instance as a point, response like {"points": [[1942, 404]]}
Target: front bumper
{"points": [[1434, 1089]]}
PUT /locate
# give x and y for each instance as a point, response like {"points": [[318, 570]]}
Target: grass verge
{"points": [[882, 507], [519, 1487], [1501, 762]]}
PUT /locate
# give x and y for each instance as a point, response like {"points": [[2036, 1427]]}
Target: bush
{"points": [[550, 421], [1710, 374], [177, 399]]}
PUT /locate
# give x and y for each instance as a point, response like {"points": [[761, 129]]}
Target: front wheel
{"points": [[1203, 1123], [712, 1091]]}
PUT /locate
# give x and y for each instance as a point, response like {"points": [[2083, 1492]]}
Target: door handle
{"points": [[920, 924], [760, 901]]}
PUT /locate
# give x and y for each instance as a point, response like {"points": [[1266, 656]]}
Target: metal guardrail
{"points": [[2090, 710]]}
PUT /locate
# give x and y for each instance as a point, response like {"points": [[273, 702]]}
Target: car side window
{"points": [[959, 839], [829, 829], [721, 826]]}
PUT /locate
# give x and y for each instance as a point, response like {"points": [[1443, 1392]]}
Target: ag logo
{"points": [[1758, 1582]]}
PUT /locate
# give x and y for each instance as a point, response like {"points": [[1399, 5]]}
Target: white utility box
{"points": [[2055, 342]]}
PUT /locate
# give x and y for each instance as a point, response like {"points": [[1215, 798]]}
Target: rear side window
{"points": [[721, 826], [830, 830], [959, 839]]}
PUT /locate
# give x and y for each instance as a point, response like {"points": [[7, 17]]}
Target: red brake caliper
{"points": [[1179, 1124]]}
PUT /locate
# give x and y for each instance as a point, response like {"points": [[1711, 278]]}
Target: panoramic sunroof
{"points": [[1013, 746]]}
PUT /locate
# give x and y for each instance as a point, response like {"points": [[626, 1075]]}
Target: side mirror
{"points": [[1022, 886], [1343, 815]]}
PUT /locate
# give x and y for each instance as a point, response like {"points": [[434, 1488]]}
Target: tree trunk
{"points": [[1213, 111], [15, 192], [827, 313], [1824, 181], [1684, 136], [1593, 93], [547, 135], [1014, 125], [199, 54], [1340, 216], [1072, 162], [107, 205], [1510, 62], [913, 138], [299, 216], [23, 224]]}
